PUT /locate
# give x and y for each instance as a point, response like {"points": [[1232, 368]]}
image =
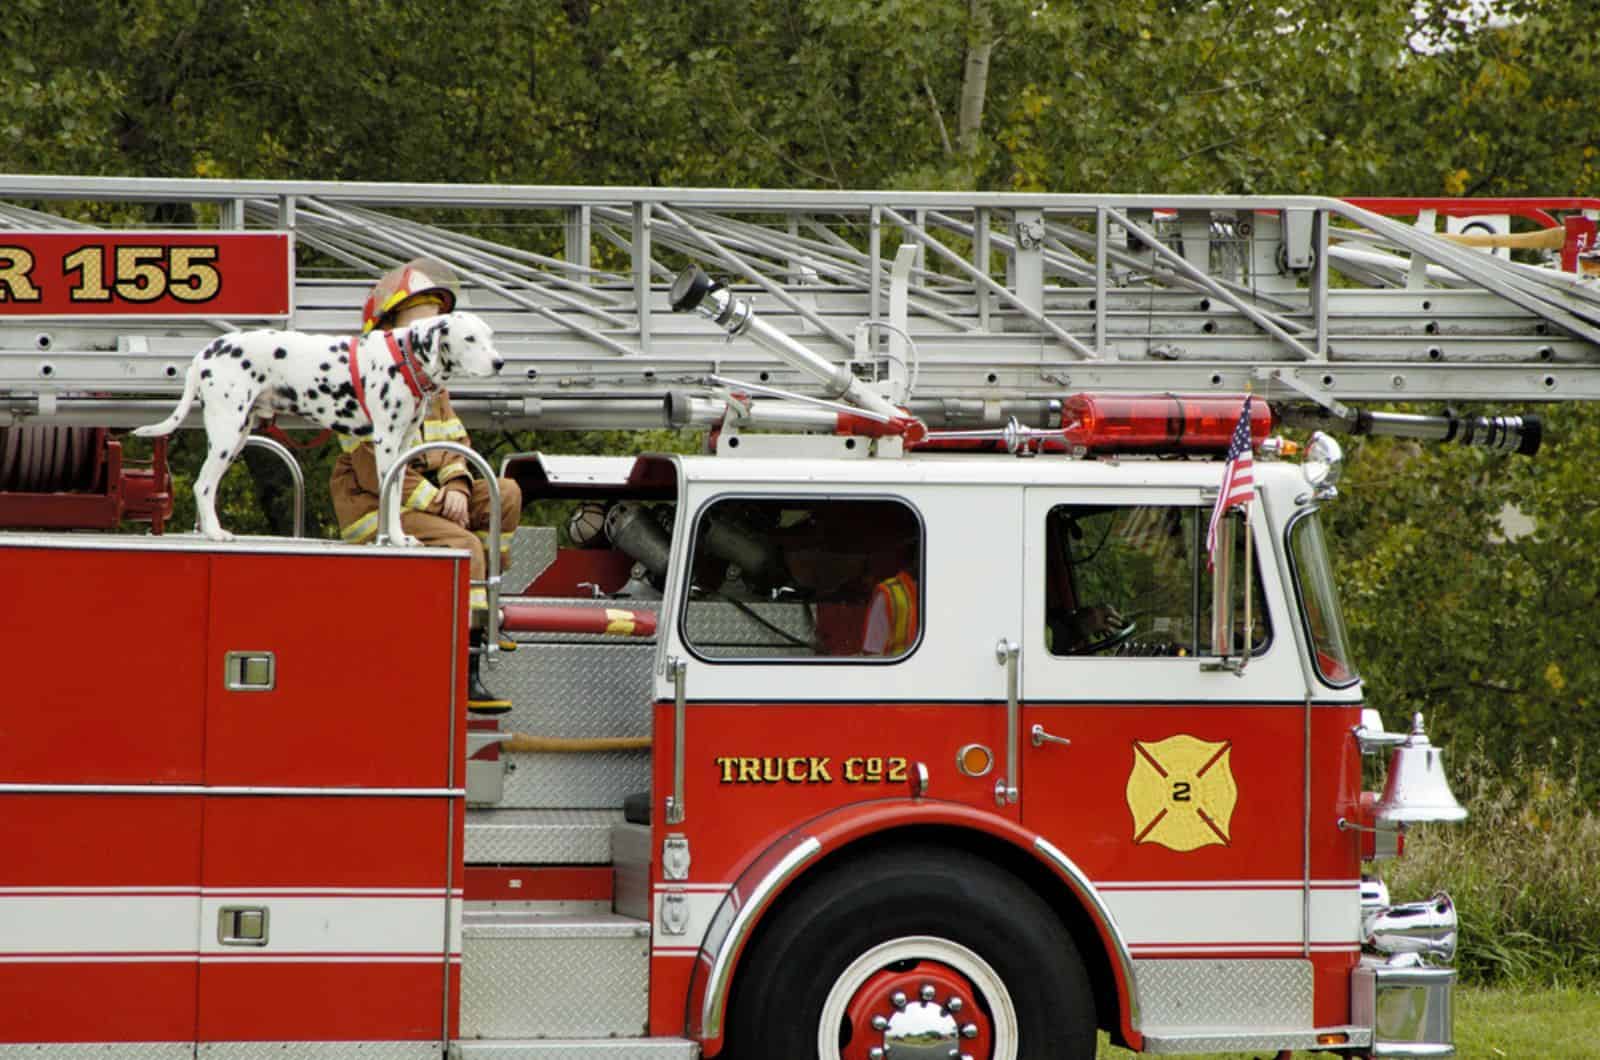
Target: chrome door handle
{"points": [[1005, 788], [1040, 737], [675, 808]]}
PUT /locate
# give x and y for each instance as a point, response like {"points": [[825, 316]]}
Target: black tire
{"points": [[886, 902]]}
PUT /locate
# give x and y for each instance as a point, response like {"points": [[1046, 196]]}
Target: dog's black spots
{"points": [[280, 353], [383, 395], [236, 351], [245, 364], [323, 387], [472, 338], [324, 366], [261, 377], [345, 390], [335, 348], [394, 370], [343, 359], [362, 431], [286, 392], [205, 373]]}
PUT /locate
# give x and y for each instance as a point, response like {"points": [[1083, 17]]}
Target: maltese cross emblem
{"points": [[1181, 792]]}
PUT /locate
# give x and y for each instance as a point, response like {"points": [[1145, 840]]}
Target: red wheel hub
{"points": [[917, 1009]]}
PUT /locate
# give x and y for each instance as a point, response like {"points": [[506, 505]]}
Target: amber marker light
{"points": [[975, 759]]}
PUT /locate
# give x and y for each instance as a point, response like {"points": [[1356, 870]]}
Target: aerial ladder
{"points": [[968, 309]]}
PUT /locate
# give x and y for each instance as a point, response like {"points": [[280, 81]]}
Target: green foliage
{"points": [[1459, 608]]}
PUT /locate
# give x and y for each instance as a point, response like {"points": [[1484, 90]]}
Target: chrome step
{"points": [[540, 837], [533, 975], [613, 1049]]}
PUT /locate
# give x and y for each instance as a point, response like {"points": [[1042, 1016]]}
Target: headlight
{"points": [[1321, 464]]}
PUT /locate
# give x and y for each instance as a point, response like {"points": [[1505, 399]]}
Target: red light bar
{"points": [[1159, 423]]}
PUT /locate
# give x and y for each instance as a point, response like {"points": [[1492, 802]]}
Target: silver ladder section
{"points": [[970, 308]]}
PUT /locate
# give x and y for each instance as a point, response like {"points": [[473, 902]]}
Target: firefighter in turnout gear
{"points": [[891, 626], [441, 503]]}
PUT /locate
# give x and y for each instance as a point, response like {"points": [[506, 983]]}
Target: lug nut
{"points": [[880, 1023], [927, 991], [953, 1005], [969, 1031], [897, 999]]}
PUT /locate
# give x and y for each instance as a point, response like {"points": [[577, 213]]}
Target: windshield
{"points": [[1319, 601]]}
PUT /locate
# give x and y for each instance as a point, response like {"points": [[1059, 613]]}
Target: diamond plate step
{"points": [[615, 1049], [532, 975], [540, 837]]}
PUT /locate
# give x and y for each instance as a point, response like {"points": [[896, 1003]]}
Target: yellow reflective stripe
{"points": [[478, 599], [452, 471], [620, 623], [361, 529], [442, 430], [422, 496], [350, 444], [899, 617], [505, 539]]}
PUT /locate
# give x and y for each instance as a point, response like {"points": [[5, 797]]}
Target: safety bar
{"points": [[261, 441], [491, 582]]}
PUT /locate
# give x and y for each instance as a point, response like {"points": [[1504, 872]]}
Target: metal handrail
{"points": [[261, 441], [491, 562]]}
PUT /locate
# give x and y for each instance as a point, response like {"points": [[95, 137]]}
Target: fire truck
{"points": [[923, 714]]}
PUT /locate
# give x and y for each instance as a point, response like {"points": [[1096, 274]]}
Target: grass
{"points": [[1502, 1023]]}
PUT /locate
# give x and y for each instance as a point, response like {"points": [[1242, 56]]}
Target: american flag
{"points": [[1238, 478]]}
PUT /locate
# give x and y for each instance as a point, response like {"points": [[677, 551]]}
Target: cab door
{"points": [[1172, 777]]}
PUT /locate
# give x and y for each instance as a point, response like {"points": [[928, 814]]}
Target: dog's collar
{"points": [[404, 353]]}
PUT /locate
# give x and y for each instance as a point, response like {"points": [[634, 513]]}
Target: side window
{"points": [[805, 578], [1133, 581]]}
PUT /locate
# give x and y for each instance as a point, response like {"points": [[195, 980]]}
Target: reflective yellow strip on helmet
{"points": [[442, 430], [361, 529], [422, 496]]}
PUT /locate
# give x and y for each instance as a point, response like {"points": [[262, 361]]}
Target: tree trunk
{"points": [[975, 78]]}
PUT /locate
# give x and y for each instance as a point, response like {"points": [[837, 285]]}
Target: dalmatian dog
{"points": [[375, 387]]}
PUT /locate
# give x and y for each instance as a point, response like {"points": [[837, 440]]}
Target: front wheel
{"points": [[911, 953]]}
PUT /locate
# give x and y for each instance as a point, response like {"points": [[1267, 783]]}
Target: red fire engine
{"points": [[925, 714]]}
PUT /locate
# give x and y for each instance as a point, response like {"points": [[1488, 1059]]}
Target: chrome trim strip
{"points": [[200, 789], [1188, 1041], [1086, 891], [718, 980]]}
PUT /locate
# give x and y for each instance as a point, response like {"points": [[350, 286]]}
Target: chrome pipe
{"points": [[390, 486], [261, 441]]}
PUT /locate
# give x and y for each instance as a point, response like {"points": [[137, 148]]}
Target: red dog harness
{"points": [[422, 387]]}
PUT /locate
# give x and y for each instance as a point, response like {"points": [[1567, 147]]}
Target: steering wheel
{"points": [[1109, 627]]}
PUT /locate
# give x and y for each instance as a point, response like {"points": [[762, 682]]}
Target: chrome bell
{"points": [[1416, 789]]}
